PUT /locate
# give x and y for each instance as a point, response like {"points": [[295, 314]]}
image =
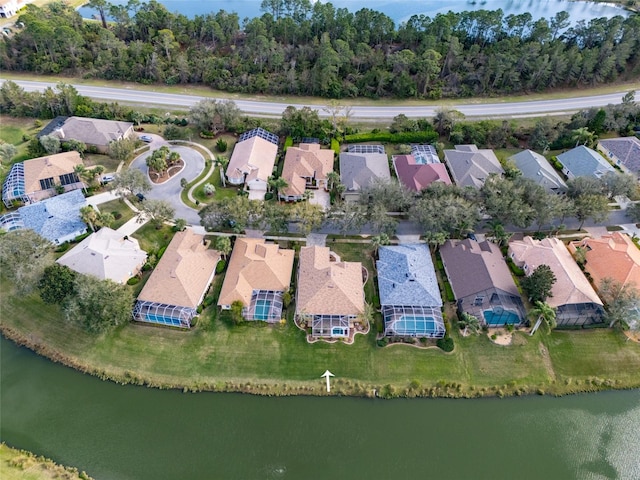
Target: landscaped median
{"points": [[260, 359]]}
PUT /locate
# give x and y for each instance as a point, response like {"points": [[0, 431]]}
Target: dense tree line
{"points": [[300, 48]]}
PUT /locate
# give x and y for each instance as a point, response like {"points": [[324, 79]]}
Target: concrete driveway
{"points": [[170, 190]]}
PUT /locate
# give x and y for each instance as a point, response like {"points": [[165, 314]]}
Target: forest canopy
{"points": [[299, 48]]}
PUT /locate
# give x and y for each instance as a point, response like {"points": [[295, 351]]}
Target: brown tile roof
{"points": [[254, 156], [571, 285], [255, 265], [51, 166], [326, 287], [306, 161], [184, 272], [614, 256], [418, 176], [473, 267]]}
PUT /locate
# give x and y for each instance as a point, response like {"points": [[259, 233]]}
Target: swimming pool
{"points": [[499, 317], [339, 332], [417, 325], [162, 319], [262, 310]]}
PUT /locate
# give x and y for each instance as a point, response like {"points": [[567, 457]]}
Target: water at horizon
{"points": [[401, 10], [124, 432]]}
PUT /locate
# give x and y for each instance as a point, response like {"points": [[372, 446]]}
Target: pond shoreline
{"points": [[340, 387]]}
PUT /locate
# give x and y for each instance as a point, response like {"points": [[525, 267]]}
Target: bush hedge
{"points": [[445, 344], [133, 281], [220, 266], [425, 136]]}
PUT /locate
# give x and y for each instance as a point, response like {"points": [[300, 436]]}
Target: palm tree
{"points": [[544, 313], [583, 136], [469, 322], [436, 239], [378, 240], [277, 184], [497, 232], [89, 216], [223, 245]]}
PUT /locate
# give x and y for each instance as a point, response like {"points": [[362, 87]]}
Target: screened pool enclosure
{"points": [[413, 321], [162, 314]]}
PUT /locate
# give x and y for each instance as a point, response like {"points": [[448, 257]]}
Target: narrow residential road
{"points": [[270, 109]]}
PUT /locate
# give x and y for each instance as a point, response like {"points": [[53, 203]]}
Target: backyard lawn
{"points": [[118, 207]]}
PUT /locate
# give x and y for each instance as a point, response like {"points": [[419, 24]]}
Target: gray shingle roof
{"points": [[470, 166], [55, 217], [584, 162], [358, 170], [473, 267], [406, 276], [535, 167], [626, 150]]}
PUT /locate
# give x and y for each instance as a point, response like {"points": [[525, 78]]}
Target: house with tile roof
{"points": [[57, 218], [36, 179], [583, 162], [106, 254], [409, 292], [624, 152], [179, 282], [612, 256], [360, 165], [574, 299], [470, 166], [482, 283], [305, 168], [252, 161], [258, 275], [93, 132], [416, 175], [330, 293], [535, 167]]}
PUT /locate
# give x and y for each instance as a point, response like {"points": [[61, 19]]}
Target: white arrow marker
{"points": [[327, 374]]}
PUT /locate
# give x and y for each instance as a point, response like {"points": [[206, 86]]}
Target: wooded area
{"points": [[299, 48]]}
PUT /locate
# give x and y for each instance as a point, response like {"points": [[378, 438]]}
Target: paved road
{"points": [[256, 108], [170, 190]]}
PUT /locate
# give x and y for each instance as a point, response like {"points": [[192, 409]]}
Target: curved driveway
{"points": [[171, 189], [371, 112]]}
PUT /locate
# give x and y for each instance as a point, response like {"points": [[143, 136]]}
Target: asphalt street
{"points": [[265, 108], [171, 189]]}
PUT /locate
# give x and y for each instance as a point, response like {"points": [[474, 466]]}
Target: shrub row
{"points": [[427, 136]]}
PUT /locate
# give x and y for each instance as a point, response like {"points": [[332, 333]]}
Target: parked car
{"points": [[109, 177], [146, 138], [140, 197]]}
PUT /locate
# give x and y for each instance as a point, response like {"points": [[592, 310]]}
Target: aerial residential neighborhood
{"points": [[300, 198]]}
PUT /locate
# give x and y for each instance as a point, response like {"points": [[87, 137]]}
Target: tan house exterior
{"points": [[252, 161], [258, 275], [612, 256], [106, 254], [330, 294], [179, 282], [305, 167], [575, 300], [36, 179]]}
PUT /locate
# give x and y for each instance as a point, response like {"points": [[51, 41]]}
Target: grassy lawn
{"points": [[221, 192], [152, 239], [92, 159], [215, 355], [118, 207], [22, 465], [11, 131]]}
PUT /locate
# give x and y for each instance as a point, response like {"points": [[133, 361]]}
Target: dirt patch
{"points": [[502, 337], [634, 336], [546, 361]]}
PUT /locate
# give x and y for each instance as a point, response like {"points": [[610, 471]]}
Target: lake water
{"points": [[401, 10], [123, 432]]}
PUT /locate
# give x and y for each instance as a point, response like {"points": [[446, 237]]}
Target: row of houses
{"points": [[306, 167], [329, 292]]}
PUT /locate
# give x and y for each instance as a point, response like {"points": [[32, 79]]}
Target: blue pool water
{"points": [[498, 318], [261, 312], [163, 320], [339, 332], [416, 325]]}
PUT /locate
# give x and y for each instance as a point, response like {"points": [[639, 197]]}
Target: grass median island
{"points": [[277, 360]]}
